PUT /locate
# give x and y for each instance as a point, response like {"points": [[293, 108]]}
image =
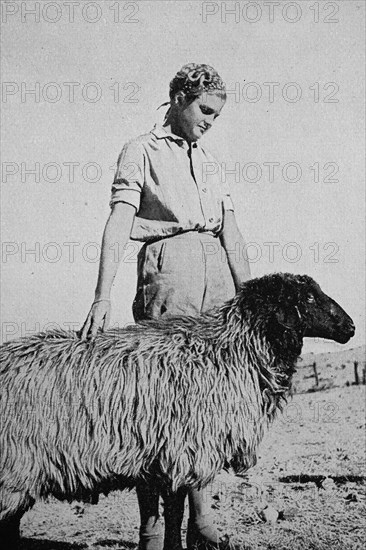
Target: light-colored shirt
{"points": [[174, 185]]}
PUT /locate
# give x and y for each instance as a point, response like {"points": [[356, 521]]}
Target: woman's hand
{"points": [[116, 232], [98, 317]]}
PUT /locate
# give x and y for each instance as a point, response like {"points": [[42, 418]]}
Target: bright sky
{"points": [[293, 129]]}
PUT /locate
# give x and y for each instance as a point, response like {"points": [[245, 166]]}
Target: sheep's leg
{"points": [[173, 515], [13, 505], [10, 531], [150, 528]]}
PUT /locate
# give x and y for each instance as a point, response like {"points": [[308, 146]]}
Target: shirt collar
{"points": [[161, 133]]}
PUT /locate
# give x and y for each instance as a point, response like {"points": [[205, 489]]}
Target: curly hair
{"points": [[193, 79]]}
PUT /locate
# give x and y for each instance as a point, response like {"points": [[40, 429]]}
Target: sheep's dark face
{"points": [[296, 304], [323, 317]]}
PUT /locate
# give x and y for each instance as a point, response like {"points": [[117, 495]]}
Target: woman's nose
{"points": [[209, 120]]}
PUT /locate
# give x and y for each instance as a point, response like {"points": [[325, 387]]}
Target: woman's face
{"points": [[195, 118]]}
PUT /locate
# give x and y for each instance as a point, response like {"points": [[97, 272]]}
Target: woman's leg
{"points": [[201, 528], [151, 537], [176, 277], [170, 282], [219, 287]]}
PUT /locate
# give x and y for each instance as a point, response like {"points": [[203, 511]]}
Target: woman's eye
{"points": [[310, 299]]}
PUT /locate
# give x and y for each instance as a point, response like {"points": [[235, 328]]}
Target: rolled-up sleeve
{"points": [[227, 202], [129, 178]]}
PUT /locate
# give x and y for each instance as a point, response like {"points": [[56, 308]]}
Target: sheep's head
{"points": [[323, 317], [294, 306]]}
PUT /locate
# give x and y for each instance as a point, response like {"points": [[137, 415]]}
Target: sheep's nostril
{"points": [[351, 327]]}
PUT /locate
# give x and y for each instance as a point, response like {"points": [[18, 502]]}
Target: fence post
{"points": [[316, 374]]}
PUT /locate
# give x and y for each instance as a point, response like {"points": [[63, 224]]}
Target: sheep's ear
{"points": [[289, 317]]}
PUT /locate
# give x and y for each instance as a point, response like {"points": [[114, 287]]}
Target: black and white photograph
{"points": [[183, 355]]}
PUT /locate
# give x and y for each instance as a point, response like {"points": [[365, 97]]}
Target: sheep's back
{"points": [[133, 400]]}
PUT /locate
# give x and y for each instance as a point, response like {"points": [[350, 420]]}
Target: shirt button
{"points": [[204, 189], [210, 220]]}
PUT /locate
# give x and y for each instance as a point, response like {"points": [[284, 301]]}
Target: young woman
{"points": [[168, 193]]}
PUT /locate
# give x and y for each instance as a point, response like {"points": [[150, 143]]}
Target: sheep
{"points": [[170, 402]]}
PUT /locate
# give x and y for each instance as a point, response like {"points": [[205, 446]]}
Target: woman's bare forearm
{"points": [[116, 235], [233, 242]]}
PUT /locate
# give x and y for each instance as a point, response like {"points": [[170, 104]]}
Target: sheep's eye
{"points": [[310, 299]]}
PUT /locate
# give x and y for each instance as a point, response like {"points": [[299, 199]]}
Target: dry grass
{"points": [[320, 435]]}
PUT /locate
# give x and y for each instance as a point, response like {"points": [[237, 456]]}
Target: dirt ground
{"points": [[310, 474]]}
